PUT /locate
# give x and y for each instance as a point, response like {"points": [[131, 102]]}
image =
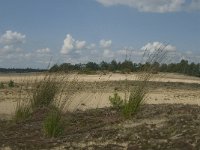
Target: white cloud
{"points": [[13, 55], [80, 44], [11, 37], [158, 6], [105, 44], [44, 50], [71, 44], [157, 45], [68, 44]]}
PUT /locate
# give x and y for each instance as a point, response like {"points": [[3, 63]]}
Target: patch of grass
{"points": [[2, 85], [22, 112], [53, 124], [11, 84]]}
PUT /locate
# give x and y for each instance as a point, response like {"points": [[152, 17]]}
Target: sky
{"points": [[34, 33]]}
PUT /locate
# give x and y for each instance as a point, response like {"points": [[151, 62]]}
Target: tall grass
{"points": [[23, 110], [45, 91], [137, 94]]}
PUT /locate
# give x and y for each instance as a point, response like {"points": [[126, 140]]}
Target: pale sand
{"points": [[169, 77], [89, 100]]}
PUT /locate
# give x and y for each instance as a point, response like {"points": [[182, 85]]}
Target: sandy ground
{"points": [[164, 123], [170, 77], [95, 99]]}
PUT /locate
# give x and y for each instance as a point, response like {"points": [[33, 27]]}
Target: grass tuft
{"points": [[22, 112], [45, 91], [53, 124]]}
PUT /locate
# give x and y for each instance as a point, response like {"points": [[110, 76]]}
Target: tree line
{"points": [[127, 66], [20, 70]]}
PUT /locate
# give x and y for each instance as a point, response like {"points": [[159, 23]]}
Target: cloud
{"points": [[156, 6], [11, 37], [80, 44], [81, 51], [68, 44], [8, 49], [105, 44], [71, 44], [156, 45], [44, 50]]}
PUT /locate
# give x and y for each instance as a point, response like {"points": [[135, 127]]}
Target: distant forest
{"points": [[17, 70], [183, 67]]}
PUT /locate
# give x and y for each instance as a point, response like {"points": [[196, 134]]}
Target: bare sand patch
{"points": [[7, 109]]}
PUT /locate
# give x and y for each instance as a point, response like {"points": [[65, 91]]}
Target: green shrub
{"points": [[116, 101], [11, 83], [53, 124]]}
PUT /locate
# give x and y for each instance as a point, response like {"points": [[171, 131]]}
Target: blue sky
{"points": [[34, 31]]}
